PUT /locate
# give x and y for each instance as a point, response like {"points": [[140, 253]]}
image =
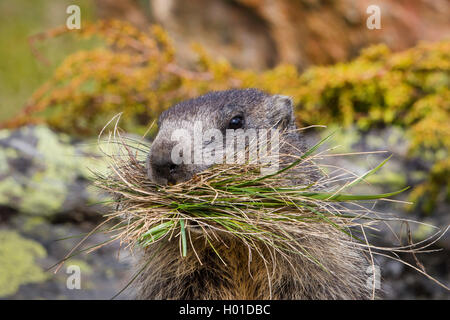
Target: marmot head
{"points": [[221, 110]]}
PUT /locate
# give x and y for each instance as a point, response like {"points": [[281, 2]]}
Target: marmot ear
{"points": [[281, 111]]}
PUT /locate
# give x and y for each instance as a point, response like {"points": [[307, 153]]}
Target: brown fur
{"points": [[243, 274], [169, 276]]}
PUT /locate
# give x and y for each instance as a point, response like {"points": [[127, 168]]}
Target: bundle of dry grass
{"points": [[275, 221], [230, 199]]}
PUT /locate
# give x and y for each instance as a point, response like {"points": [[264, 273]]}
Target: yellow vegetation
{"points": [[136, 73]]}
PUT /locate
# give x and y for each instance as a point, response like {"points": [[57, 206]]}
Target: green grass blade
{"points": [[368, 173], [348, 197], [183, 237]]}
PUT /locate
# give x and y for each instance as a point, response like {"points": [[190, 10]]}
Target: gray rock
{"points": [[43, 173], [102, 273]]}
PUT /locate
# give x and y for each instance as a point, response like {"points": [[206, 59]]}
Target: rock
{"points": [[45, 196], [43, 173], [102, 273], [18, 257]]}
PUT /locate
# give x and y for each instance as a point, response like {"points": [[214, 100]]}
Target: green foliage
{"points": [[409, 89], [136, 73]]}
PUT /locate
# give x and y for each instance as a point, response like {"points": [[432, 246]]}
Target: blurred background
{"points": [[385, 89]]}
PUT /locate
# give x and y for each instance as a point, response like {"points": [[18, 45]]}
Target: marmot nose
{"points": [[167, 171], [172, 168], [162, 169], [171, 180]]}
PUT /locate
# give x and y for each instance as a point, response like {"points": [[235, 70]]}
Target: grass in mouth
{"points": [[237, 201]]}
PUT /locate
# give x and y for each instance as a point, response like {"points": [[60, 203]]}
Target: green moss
{"points": [[423, 231], [10, 190], [4, 168], [43, 189], [30, 223], [46, 190], [18, 262]]}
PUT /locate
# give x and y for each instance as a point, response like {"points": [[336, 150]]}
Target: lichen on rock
{"points": [[18, 262], [42, 172]]}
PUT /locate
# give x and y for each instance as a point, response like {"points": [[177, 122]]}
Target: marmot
{"points": [[167, 276]]}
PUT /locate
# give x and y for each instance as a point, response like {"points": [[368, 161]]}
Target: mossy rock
{"points": [[18, 261], [43, 173]]}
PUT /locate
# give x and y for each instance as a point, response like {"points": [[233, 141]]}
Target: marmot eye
{"points": [[236, 123]]}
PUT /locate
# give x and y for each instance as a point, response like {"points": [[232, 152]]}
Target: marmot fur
{"points": [[240, 275]]}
